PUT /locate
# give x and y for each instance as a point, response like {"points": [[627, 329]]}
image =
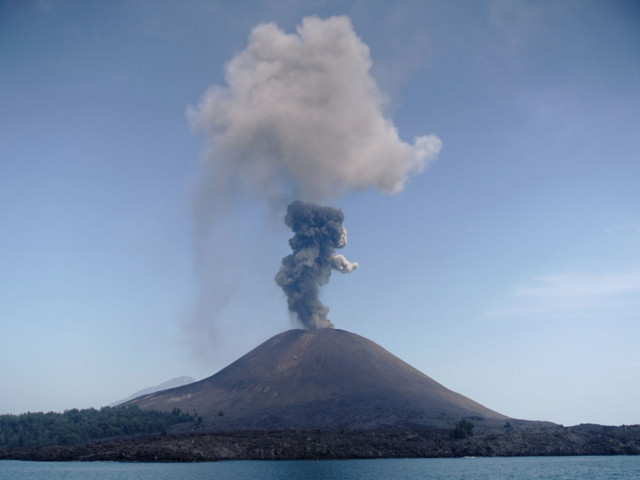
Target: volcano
{"points": [[327, 378]]}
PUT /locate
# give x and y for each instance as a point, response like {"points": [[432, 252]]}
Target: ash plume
{"points": [[299, 117], [318, 231], [302, 117]]}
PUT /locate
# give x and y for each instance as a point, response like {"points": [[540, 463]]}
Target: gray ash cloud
{"points": [[318, 232]]}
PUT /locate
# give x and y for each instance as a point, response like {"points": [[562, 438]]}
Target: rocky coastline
{"points": [[416, 442]]}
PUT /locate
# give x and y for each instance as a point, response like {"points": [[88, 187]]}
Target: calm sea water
{"points": [[565, 468]]}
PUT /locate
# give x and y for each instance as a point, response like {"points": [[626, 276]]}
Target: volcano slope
{"points": [[322, 379], [330, 394]]}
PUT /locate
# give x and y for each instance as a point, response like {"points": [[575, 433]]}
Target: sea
{"points": [[520, 468]]}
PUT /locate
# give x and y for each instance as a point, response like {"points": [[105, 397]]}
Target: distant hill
{"points": [[321, 379], [174, 382]]}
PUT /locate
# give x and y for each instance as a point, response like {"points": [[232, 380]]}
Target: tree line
{"points": [[78, 426]]}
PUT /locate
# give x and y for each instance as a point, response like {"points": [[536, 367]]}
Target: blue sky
{"points": [[508, 271]]}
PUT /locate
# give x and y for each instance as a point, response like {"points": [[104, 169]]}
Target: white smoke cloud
{"points": [[302, 116], [340, 263]]}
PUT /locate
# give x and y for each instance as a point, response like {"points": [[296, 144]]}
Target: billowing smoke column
{"points": [[318, 231], [300, 117]]}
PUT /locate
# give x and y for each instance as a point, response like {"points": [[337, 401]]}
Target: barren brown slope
{"points": [[327, 378]]}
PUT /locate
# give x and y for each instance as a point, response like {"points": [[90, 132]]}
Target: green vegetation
{"points": [[78, 426], [463, 429]]}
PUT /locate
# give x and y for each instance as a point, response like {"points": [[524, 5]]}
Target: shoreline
{"points": [[410, 442]]}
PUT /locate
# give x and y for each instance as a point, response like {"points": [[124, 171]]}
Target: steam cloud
{"points": [[300, 118], [318, 231]]}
